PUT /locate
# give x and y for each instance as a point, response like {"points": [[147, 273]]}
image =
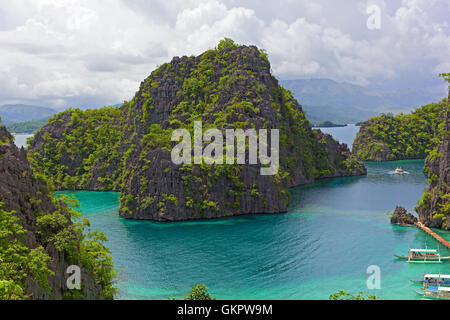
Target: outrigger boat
{"points": [[436, 293], [433, 280], [423, 256]]}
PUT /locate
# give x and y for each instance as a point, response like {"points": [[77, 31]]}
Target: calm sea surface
{"points": [[334, 230], [21, 139], [343, 134]]}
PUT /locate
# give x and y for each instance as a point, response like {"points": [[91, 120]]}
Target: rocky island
{"points": [[329, 124], [128, 149], [402, 217], [405, 136], [434, 207]]}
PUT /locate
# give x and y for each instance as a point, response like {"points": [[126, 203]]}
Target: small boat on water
{"points": [[400, 171], [434, 280], [435, 293], [423, 256]]}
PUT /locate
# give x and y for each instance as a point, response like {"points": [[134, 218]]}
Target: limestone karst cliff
{"points": [[128, 149], [434, 207], [400, 137], [38, 240]]}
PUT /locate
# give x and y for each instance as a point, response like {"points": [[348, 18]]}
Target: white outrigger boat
{"points": [[435, 293], [434, 280], [423, 256]]}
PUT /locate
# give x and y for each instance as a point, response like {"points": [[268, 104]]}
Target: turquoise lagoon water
{"points": [[334, 230]]}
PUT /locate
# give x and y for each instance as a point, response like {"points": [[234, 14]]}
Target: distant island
{"points": [[25, 119], [26, 127], [13, 113], [329, 124], [400, 137]]}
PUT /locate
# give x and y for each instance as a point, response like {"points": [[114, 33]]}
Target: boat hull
{"points": [[442, 284], [432, 295], [422, 260]]}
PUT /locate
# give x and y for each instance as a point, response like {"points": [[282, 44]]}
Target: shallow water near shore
{"points": [[334, 230]]}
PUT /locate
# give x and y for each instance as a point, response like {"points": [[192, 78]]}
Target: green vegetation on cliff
{"points": [[128, 149], [344, 295], [199, 292], [20, 263], [434, 206], [17, 261], [41, 235], [404, 136], [82, 145]]}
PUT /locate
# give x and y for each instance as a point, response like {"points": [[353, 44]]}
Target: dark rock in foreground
{"points": [[402, 217], [28, 198]]}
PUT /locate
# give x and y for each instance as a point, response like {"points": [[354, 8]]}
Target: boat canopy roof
{"points": [[424, 250], [439, 276], [447, 289]]}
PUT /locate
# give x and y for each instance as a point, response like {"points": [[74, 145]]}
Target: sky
{"points": [[61, 53]]}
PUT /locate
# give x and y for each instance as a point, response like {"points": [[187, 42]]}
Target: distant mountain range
{"points": [[322, 99], [328, 100], [11, 113], [22, 118]]}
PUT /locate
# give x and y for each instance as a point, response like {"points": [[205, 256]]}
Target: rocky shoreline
{"points": [[402, 217]]}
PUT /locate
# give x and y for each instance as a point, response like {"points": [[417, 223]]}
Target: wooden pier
{"points": [[433, 234]]}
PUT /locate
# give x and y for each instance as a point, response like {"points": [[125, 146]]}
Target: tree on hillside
{"points": [[199, 292], [343, 295]]}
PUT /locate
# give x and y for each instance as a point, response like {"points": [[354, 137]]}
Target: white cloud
{"points": [[75, 52]]}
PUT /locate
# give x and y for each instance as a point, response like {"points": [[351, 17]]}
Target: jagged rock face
{"points": [[374, 150], [434, 207], [225, 89], [410, 136], [337, 153], [160, 190], [402, 217], [80, 150], [26, 194]]}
